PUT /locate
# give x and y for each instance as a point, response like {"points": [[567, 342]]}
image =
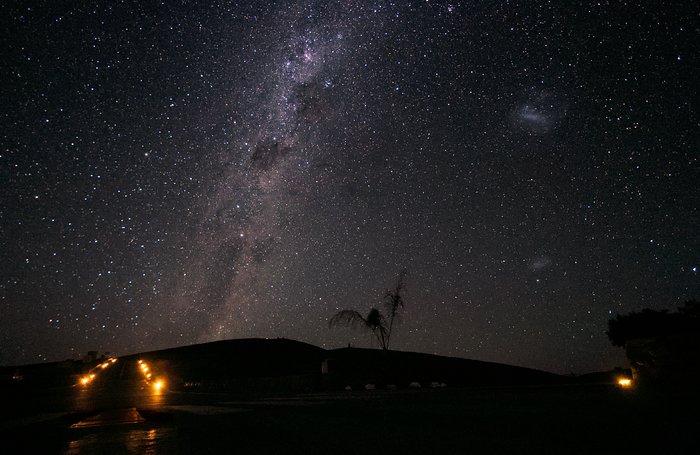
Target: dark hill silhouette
{"points": [[282, 365], [257, 364], [250, 357], [251, 365], [401, 368]]}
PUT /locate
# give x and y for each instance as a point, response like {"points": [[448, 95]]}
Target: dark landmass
{"points": [[282, 364], [282, 396]]}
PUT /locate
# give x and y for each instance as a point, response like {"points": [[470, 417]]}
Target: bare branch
{"points": [[394, 301]]}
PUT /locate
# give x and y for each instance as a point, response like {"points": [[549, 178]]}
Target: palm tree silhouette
{"points": [[380, 326]]}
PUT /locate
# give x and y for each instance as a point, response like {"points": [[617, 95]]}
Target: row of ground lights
{"points": [[157, 383], [88, 378]]}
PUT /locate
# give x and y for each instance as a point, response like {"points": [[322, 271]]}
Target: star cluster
{"points": [[180, 172]]}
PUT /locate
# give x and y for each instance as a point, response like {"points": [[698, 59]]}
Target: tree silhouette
{"points": [[380, 326], [661, 346]]}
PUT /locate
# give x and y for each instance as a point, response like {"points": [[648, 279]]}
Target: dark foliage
{"points": [[653, 324], [374, 322]]}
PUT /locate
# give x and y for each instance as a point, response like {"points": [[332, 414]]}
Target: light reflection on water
{"points": [[156, 399], [140, 441], [131, 394], [116, 440]]}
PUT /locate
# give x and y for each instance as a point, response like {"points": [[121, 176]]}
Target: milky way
{"points": [[243, 222], [183, 173]]}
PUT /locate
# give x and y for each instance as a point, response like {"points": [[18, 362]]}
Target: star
{"points": [[181, 175]]}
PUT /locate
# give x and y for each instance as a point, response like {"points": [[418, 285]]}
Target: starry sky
{"points": [[179, 172]]}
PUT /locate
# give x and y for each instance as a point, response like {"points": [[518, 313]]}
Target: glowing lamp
{"points": [[624, 382]]}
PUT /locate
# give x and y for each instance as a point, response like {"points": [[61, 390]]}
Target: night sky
{"points": [[181, 172]]}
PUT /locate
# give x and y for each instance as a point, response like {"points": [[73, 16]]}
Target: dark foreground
{"points": [[555, 419]]}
